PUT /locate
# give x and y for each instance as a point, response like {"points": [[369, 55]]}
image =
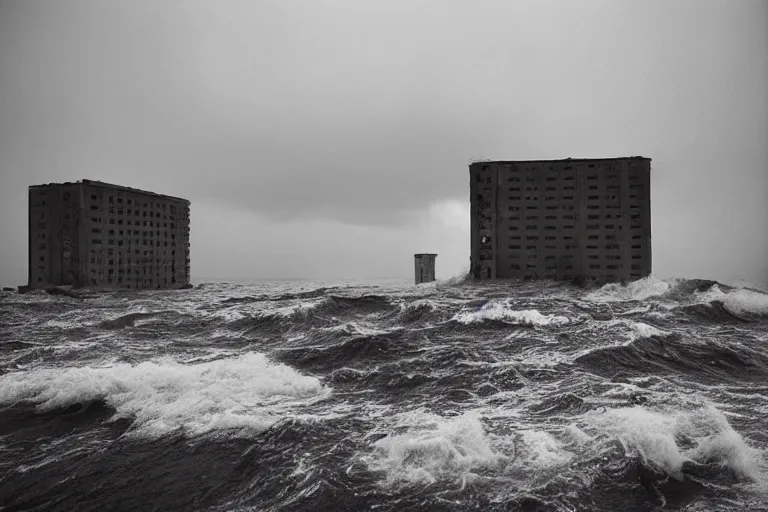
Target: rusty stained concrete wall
{"points": [[561, 219], [424, 267], [101, 235]]}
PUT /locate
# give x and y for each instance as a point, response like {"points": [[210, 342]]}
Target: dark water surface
{"points": [[456, 396]]}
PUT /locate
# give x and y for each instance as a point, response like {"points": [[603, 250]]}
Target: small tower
{"points": [[425, 267]]}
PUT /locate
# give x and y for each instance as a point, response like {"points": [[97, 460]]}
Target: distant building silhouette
{"points": [[581, 219], [91, 233], [424, 265]]}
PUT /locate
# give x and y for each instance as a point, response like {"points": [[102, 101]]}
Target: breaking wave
{"points": [[161, 396], [682, 443], [502, 312]]}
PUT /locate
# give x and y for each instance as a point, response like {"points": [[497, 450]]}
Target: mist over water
{"points": [[446, 396]]}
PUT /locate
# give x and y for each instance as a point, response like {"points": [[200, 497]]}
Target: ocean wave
{"points": [[417, 310], [662, 355], [643, 330], [331, 353], [678, 442], [160, 396], [638, 290], [739, 301], [443, 450], [310, 294], [126, 320], [502, 312]]}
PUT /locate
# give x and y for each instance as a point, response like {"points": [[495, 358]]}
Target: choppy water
{"points": [[455, 396]]}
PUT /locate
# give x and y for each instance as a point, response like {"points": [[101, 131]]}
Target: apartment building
{"points": [[574, 219], [94, 234]]}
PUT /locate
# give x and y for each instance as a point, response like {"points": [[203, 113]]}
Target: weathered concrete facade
{"points": [[95, 234], [561, 219], [424, 267]]}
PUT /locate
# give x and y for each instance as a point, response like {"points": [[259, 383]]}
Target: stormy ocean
{"points": [[388, 396]]}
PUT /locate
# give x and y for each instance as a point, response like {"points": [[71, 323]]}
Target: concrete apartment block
{"points": [[580, 219], [424, 267], [94, 234]]}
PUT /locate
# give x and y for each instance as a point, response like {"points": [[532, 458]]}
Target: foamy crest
{"points": [[500, 311], [739, 301], [641, 330], [448, 451], [635, 290], [355, 329], [668, 440], [160, 396], [537, 449]]}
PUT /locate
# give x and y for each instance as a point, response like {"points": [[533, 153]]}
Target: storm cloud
{"points": [[332, 139]]}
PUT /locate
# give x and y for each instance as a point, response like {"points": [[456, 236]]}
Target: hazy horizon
{"points": [[333, 138]]}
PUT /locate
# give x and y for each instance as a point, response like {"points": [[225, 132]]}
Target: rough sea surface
{"points": [[447, 396]]}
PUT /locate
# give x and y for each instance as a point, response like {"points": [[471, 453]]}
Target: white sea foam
{"points": [[669, 439], [635, 290], [536, 450], [739, 301], [355, 329], [641, 330], [247, 392], [501, 311], [438, 450], [261, 310]]}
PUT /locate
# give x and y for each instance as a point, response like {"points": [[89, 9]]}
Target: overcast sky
{"points": [[332, 139]]}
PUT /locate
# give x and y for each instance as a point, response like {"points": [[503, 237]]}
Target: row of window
{"points": [[567, 268], [136, 213], [135, 233], [137, 272], [145, 242], [147, 204], [120, 261], [145, 283], [119, 222], [608, 247], [536, 177]]}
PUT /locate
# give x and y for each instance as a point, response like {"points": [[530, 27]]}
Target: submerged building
{"points": [[90, 233], [575, 219], [424, 267]]}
